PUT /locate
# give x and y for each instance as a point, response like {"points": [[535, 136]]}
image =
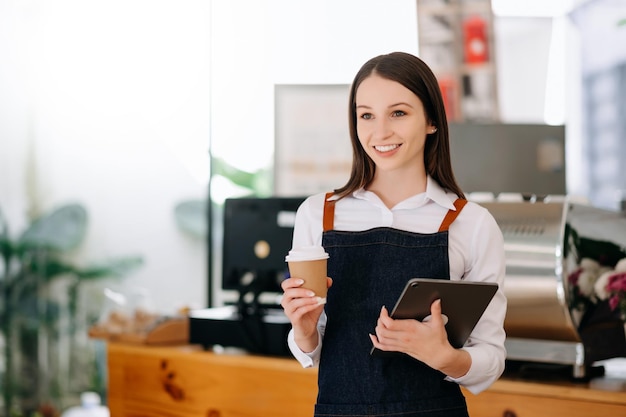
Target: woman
{"points": [[385, 226]]}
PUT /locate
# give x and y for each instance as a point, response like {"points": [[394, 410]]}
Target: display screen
{"points": [[509, 158], [258, 234]]}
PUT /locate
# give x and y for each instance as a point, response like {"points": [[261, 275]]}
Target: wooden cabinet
{"points": [[507, 398], [186, 381]]}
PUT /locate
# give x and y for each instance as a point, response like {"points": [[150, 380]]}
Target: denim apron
{"points": [[369, 270]]}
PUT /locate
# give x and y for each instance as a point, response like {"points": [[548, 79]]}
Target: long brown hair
{"points": [[414, 74]]}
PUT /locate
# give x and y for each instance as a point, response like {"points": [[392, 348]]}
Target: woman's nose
{"points": [[382, 129]]}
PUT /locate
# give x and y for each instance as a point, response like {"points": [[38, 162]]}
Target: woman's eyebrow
{"points": [[402, 103]]}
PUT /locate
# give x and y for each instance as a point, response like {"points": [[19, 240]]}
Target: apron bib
{"points": [[369, 270]]}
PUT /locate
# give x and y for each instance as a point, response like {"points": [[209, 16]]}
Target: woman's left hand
{"points": [[425, 341]]}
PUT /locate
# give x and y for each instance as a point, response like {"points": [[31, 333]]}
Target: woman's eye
{"points": [[366, 116], [398, 113]]}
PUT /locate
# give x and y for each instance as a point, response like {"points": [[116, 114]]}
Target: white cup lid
{"points": [[306, 253]]}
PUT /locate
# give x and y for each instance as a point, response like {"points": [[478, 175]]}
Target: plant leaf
{"points": [[48, 267], [6, 246], [63, 229], [6, 250], [237, 176], [112, 268], [191, 217]]}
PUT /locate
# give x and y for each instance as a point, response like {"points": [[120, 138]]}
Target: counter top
{"points": [[187, 380]]}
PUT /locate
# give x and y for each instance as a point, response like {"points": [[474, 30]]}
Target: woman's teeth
{"points": [[385, 148]]}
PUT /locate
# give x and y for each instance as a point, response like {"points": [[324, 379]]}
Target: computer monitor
{"points": [[509, 158], [258, 234]]}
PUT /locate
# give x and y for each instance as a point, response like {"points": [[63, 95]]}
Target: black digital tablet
{"points": [[462, 304]]}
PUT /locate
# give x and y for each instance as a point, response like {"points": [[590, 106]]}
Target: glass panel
{"points": [[259, 45]]}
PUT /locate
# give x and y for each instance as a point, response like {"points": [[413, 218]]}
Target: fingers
{"points": [[392, 334], [384, 319], [435, 312], [388, 331], [421, 340], [375, 342], [385, 325], [292, 288], [386, 344], [291, 283], [297, 282], [303, 308], [435, 307], [296, 300]]}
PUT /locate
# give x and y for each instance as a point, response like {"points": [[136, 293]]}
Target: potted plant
{"points": [[33, 322]]}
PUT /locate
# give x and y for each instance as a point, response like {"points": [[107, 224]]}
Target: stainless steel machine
{"points": [[545, 241]]}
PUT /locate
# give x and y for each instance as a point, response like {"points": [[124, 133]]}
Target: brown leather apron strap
{"points": [[459, 203], [329, 213]]}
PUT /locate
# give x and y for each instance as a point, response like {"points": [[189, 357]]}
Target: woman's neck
{"points": [[393, 189]]}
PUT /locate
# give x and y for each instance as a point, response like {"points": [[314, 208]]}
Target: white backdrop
{"points": [[112, 104]]}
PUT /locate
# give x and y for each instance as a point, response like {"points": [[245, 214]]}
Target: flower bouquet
{"points": [[611, 286], [592, 284], [582, 282], [597, 301]]}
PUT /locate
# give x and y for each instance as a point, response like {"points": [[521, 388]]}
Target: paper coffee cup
{"points": [[309, 263]]}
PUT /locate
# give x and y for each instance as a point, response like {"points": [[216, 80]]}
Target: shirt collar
{"points": [[434, 192], [438, 195]]}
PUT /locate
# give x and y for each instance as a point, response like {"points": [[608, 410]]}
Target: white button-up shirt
{"points": [[476, 253]]}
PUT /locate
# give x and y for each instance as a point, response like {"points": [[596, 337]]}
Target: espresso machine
{"points": [[545, 241]]}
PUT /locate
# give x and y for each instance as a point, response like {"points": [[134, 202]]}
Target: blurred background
{"points": [[131, 109]]}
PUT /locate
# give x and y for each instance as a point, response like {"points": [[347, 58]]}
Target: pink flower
{"points": [[616, 289], [573, 277], [617, 282], [614, 302], [593, 282]]}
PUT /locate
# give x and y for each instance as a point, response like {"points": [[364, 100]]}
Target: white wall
{"points": [[288, 42], [115, 102], [110, 100]]}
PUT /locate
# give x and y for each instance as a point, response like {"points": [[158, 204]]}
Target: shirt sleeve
{"points": [[308, 228], [308, 359], [486, 343], [307, 231]]}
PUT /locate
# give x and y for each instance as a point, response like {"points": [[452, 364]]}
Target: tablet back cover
{"points": [[463, 302]]}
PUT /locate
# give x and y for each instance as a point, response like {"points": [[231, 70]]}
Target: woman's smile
{"points": [[386, 148]]}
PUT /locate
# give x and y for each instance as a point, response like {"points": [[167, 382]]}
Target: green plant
{"points": [[31, 312], [191, 215]]}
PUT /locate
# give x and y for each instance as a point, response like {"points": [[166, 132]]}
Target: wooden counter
{"points": [[185, 381]]}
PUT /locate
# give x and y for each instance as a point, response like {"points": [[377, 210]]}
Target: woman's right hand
{"points": [[303, 309]]}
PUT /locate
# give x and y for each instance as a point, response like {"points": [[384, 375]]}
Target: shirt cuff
{"points": [[482, 372], [307, 360]]}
